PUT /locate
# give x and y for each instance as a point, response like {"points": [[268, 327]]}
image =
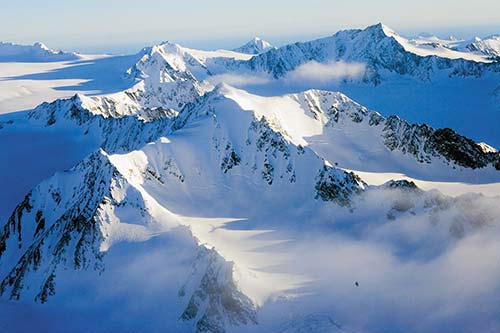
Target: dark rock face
{"points": [[337, 186], [462, 150], [71, 237], [216, 300], [424, 142], [402, 184]]}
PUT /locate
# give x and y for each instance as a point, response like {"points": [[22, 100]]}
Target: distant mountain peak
{"points": [[38, 52], [255, 46], [381, 27], [41, 45]]}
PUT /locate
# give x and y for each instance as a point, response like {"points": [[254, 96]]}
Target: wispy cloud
{"points": [[315, 72]]}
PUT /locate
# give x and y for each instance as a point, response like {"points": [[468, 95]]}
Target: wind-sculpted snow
{"points": [[71, 220]]}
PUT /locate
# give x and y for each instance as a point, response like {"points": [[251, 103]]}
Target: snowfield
{"points": [[314, 187]]}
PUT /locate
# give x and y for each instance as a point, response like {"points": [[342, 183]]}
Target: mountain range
{"points": [[234, 191]]}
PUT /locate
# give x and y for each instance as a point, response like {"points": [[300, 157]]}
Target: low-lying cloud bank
{"points": [[402, 261]]}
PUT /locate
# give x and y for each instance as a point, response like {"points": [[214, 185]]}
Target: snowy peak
{"points": [[486, 148], [323, 116], [38, 52], [489, 46], [382, 28], [380, 49], [255, 46]]}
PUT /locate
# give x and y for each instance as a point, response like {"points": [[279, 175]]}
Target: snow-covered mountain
{"points": [[480, 49], [379, 47], [37, 52], [489, 46], [197, 206], [255, 46]]}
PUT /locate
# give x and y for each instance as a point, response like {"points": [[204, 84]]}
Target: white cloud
{"points": [[412, 271], [315, 72]]}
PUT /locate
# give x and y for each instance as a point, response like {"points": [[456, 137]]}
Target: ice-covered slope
{"points": [[369, 65], [55, 136], [255, 46], [37, 52]]}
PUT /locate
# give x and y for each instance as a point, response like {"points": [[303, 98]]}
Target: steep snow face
{"points": [[377, 68], [115, 122], [335, 127], [353, 137], [239, 268], [37, 52], [255, 46]]}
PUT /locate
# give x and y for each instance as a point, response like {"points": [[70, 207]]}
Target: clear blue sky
{"points": [[125, 25]]}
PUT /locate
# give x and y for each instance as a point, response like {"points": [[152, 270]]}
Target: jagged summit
{"points": [[255, 46], [382, 28]]}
